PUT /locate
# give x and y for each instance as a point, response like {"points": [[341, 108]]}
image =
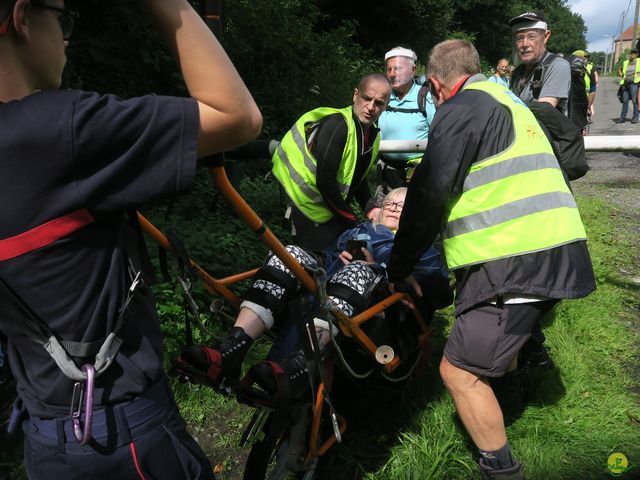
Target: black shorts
{"points": [[486, 338]]}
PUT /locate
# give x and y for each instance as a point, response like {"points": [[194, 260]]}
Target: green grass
{"points": [[576, 415]]}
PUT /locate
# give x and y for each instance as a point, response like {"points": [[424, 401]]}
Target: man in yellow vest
{"points": [[511, 232], [590, 81], [630, 73], [324, 160]]}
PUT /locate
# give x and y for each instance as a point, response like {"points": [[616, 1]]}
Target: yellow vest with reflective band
{"points": [[587, 77], [636, 77], [515, 202], [295, 166]]}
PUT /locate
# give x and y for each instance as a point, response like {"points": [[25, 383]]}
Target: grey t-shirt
{"points": [[555, 82]]}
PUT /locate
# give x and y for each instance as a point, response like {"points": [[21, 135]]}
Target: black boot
{"points": [[218, 368], [512, 473], [538, 359], [285, 381]]}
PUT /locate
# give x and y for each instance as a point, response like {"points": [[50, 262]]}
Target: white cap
{"points": [[400, 52], [528, 21], [529, 26]]}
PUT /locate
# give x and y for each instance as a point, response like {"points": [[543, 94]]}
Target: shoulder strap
{"points": [[517, 73], [422, 98], [538, 75], [136, 248], [421, 101]]}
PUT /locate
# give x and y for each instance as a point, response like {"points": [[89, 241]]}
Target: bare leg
{"points": [[250, 322], [477, 406]]}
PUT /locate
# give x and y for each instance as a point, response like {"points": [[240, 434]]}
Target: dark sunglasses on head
{"points": [[67, 18]]}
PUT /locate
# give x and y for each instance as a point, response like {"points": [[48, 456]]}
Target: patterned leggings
{"points": [[358, 276]]}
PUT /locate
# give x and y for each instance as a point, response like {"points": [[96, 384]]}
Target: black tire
{"points": [[280, 454]]}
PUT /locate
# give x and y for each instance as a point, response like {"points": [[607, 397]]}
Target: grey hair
{"points": [[451, 59]]}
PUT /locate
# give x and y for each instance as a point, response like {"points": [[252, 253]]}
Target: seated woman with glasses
{"points": [[350, 287]]}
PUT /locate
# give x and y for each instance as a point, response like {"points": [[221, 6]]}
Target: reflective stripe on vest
{"points": [[295, 167], [512, 203], [636, 77]]}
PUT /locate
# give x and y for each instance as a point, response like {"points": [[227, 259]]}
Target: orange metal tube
{"points": [[377, 308], [330, 442], [246, 213], [211, 284], [314, 435], [315, 421], [238, 277]]}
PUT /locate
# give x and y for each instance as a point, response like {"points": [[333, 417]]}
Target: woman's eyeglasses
{"points": [[393, 205]]}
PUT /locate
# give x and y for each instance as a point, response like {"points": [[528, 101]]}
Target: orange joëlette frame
{"points": [[349, 326]]}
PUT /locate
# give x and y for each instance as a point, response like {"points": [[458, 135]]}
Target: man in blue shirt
{"points": [[407, 117], [501, 76]]}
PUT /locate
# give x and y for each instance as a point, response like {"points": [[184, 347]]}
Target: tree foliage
{"points": [[296, 55], [116, 50], [290, 63]]}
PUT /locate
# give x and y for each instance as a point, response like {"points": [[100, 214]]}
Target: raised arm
{"points": [[228, 114]]}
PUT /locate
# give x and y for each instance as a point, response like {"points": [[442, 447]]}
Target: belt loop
{"points": [[123, 425], [60, 433]]}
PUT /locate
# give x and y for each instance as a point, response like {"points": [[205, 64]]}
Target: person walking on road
{"points": [[630, 73]]}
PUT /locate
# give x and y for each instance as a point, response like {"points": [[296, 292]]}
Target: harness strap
{"points": [[44, 234], [281, 278], [82, 349], [349, 295], [136, 248], [16, 317], [404, 110]]}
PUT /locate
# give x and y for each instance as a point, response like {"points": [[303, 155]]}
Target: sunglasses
{"points": [[67, 19]]}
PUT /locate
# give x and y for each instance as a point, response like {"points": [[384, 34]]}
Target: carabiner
{"points": [[83, 436], [336, 426]]}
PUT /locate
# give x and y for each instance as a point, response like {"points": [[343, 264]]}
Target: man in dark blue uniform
{"points": [[72, 163]]}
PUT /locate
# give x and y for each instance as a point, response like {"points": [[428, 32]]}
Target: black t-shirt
{"points": [[328, 148], [65, 151]]}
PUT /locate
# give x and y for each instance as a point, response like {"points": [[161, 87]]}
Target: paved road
{"points": [[615, 169], [615, 177]]}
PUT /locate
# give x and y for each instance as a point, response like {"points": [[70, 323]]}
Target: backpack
{"points": [[564, 134], [577, 103], [422, 102]]}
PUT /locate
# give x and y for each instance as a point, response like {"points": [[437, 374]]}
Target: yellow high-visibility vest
{"points": [[515, 202], [636, 77], [295, 166]]}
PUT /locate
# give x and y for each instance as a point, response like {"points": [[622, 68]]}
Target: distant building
{"points": [[623, 42]]}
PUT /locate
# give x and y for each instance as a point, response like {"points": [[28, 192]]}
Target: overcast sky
{"points": [[602, 18]]}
